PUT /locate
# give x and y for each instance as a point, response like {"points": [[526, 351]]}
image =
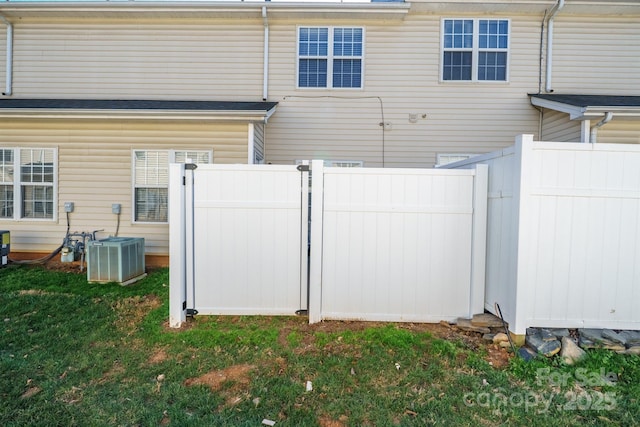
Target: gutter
{"points": [[557, 8], [594, 129], [9, 73], [265, 61], [94, 114]]}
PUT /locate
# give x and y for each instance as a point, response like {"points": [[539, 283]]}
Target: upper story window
{"points": [[475, 49], [151, 180], [330, 57], [27, 183]]}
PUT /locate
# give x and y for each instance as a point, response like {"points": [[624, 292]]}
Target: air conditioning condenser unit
{"points": [[116, 259]]}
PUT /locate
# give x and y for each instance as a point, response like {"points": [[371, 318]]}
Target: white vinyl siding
{"points": [[475, 49], [258, 143], [116, 58], [151, 180], [557, 127], [402, 80], [28, 183], [330, 57], [94, 171], [596, 55]]}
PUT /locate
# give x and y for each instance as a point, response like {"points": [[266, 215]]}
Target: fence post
{"points": [[479, 239], [177, 246], [315, 264]]}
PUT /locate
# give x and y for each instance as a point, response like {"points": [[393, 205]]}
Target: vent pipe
{"points": [[9, 73]]}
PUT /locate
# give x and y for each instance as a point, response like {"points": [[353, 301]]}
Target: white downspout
{"points": [[265, 72], [9, 73], [554, 12], [594, 130]]}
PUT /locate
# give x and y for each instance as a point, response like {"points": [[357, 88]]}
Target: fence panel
{"points": [[398, 244], [563, 238], [249, 240]]}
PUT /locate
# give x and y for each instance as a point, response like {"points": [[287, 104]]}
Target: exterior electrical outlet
{"points": [[68, 206]]}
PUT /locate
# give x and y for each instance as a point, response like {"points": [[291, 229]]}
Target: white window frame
{"points": [[18, 214], [330, 57], [171, 156], [475, 51]]}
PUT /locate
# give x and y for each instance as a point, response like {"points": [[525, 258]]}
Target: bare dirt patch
{"points": [[325, 421], [232, 382], [157, 357], [216, 379], [131, 311]]}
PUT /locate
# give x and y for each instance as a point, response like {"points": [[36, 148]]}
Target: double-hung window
{"points": [[475, 49], [151, 180], [27, 183], [330, 57]]}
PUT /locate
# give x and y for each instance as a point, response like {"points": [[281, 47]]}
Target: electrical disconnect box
{"points": [[115, 208], [68, 206], [5, 240]]}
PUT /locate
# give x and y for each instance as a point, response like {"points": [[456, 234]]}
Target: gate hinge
{"points": [[303, 168], [190, 166], [184, 305]]}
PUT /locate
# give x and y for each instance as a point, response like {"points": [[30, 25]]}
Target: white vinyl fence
{"points": [[238, 240], [386, 244], [563, 237], [398, 244]]}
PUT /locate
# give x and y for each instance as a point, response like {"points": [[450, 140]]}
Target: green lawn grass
{"points": [[73, 353]]}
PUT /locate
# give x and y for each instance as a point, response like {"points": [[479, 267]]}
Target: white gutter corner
{"points": [[9, 73], [594, 130]]}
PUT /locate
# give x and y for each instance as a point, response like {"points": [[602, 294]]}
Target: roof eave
{"points": [[95, 114], [585, 112], [204, 10]]}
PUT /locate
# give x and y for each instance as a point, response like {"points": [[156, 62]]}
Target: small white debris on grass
{"points": [[309, 386], [397, 366], [267, 422]]}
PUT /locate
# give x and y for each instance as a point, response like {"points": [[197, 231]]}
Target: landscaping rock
{"points": [[486, 320], [532, 331], [560, 332], [466, 325], [547, 348], [546, 335], [614, 336], [570, 352], [526, 354], [500, 337], [504, 344], [593, 338], [632, 338], [631, 350], [488, 337]]}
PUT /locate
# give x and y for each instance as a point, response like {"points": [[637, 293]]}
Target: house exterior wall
{"points": [[402, 69], [122, 55], [94, 165], [596, 55], [149, 59], [620, 132], [556, 126]]}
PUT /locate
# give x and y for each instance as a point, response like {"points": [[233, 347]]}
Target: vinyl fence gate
{"points": [[384, 244]]}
